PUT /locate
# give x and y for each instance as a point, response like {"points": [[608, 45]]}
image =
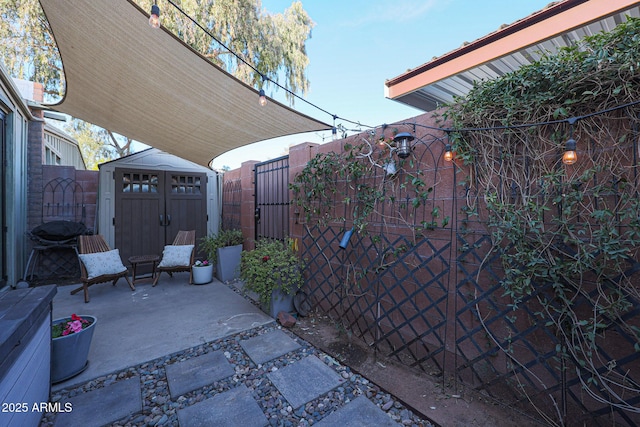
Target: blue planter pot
{"points": [[228, 265], [69, 353], [279, 302]]}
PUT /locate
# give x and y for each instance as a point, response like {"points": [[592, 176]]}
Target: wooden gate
{"points": [[272, 198], [153, 205]]}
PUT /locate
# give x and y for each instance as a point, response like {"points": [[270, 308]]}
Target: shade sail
{"points": [[148, 85]]}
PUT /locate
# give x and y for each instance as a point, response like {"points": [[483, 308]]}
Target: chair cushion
{"points": [[176, 256], [101, 263]]}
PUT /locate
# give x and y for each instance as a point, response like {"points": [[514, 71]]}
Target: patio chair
{"points": [[99, 264], [179, 256]]}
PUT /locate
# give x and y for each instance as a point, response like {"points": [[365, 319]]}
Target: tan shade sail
{"points": [[148, 85]]}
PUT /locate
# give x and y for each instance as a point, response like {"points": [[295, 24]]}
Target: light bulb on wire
{"points": [[263, 98], [570, 157], [154, 18], [448, 154]]}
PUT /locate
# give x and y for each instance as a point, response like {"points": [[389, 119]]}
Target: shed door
{"points": [[152, 206]]}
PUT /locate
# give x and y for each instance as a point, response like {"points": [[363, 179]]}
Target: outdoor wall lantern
{"points": [[154, 18], [403, 144]]}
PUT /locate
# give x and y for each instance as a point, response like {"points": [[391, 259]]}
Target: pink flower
{"points": [[75, 326]]}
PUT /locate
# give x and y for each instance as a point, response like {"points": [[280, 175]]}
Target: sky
{"points": [[358, 44]]}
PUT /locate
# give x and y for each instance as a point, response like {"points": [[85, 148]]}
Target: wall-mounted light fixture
{"points": [[154, 18], [403, 144]]}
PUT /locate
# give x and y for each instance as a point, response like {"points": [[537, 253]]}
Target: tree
{"points": [[274, 44], [271, 43], [96, 144], [27, 48]]}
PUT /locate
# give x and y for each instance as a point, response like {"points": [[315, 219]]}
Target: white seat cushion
{"points": [[101, 263], [176, 256]]}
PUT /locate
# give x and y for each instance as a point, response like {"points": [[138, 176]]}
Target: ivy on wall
{"points": [[365, 176], [574, 227]]}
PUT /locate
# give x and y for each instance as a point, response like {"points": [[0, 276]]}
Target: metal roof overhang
{"points": [[437, 82], [148, 85]]}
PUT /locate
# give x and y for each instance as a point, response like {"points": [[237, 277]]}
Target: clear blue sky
{"points": [[358, 44]]}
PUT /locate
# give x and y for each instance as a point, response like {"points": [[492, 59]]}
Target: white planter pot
{"points": [[202, 275]]}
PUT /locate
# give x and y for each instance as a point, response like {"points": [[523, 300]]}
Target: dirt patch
{"points": [[435, 398]]}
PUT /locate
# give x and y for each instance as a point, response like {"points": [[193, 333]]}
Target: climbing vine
{"points": [[366, 178], [574, 230]]}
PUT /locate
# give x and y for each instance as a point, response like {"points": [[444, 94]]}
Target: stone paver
{"points": [[361, 412], [268, 346], [104, 405], [197, 372], [235, 407], [304, 380]]}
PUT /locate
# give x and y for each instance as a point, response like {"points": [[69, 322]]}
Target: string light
{"points": [[448, 154], [263, 98], [406, 150], [570, 157], [154, 18]]}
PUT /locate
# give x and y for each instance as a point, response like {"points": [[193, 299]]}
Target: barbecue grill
{"points": [[63, 215]]}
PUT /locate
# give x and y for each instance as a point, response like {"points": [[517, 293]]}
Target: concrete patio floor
{"points": [[202, 355], [150, 322]]}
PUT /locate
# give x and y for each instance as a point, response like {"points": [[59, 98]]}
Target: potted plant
{"points": [[202, 272], [223, 250], [274, 272], [71, 339]]}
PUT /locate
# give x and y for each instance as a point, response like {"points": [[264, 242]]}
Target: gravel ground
{"points": [[160, 410]]}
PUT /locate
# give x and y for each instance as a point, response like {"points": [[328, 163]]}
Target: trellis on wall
{"points": [[231, 201], [428, 291]]}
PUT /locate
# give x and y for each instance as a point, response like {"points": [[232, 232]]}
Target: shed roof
{"points": [[148, 85], [562, 23]]}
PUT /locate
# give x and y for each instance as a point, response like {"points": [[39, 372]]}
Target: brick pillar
{"points": [[299, 156], [35, 147], [247, 204]]}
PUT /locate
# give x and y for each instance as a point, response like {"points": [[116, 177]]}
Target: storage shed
{"points": [[146, 198]]}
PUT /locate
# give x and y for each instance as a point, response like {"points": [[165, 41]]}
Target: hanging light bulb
{"points": [[263, 98], [403, 144], [570, 157], [334, 134], [448, 154], [154, 19]]}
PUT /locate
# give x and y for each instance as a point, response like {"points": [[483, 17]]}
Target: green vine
{"points": [[566, 236], [360, 179]]}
